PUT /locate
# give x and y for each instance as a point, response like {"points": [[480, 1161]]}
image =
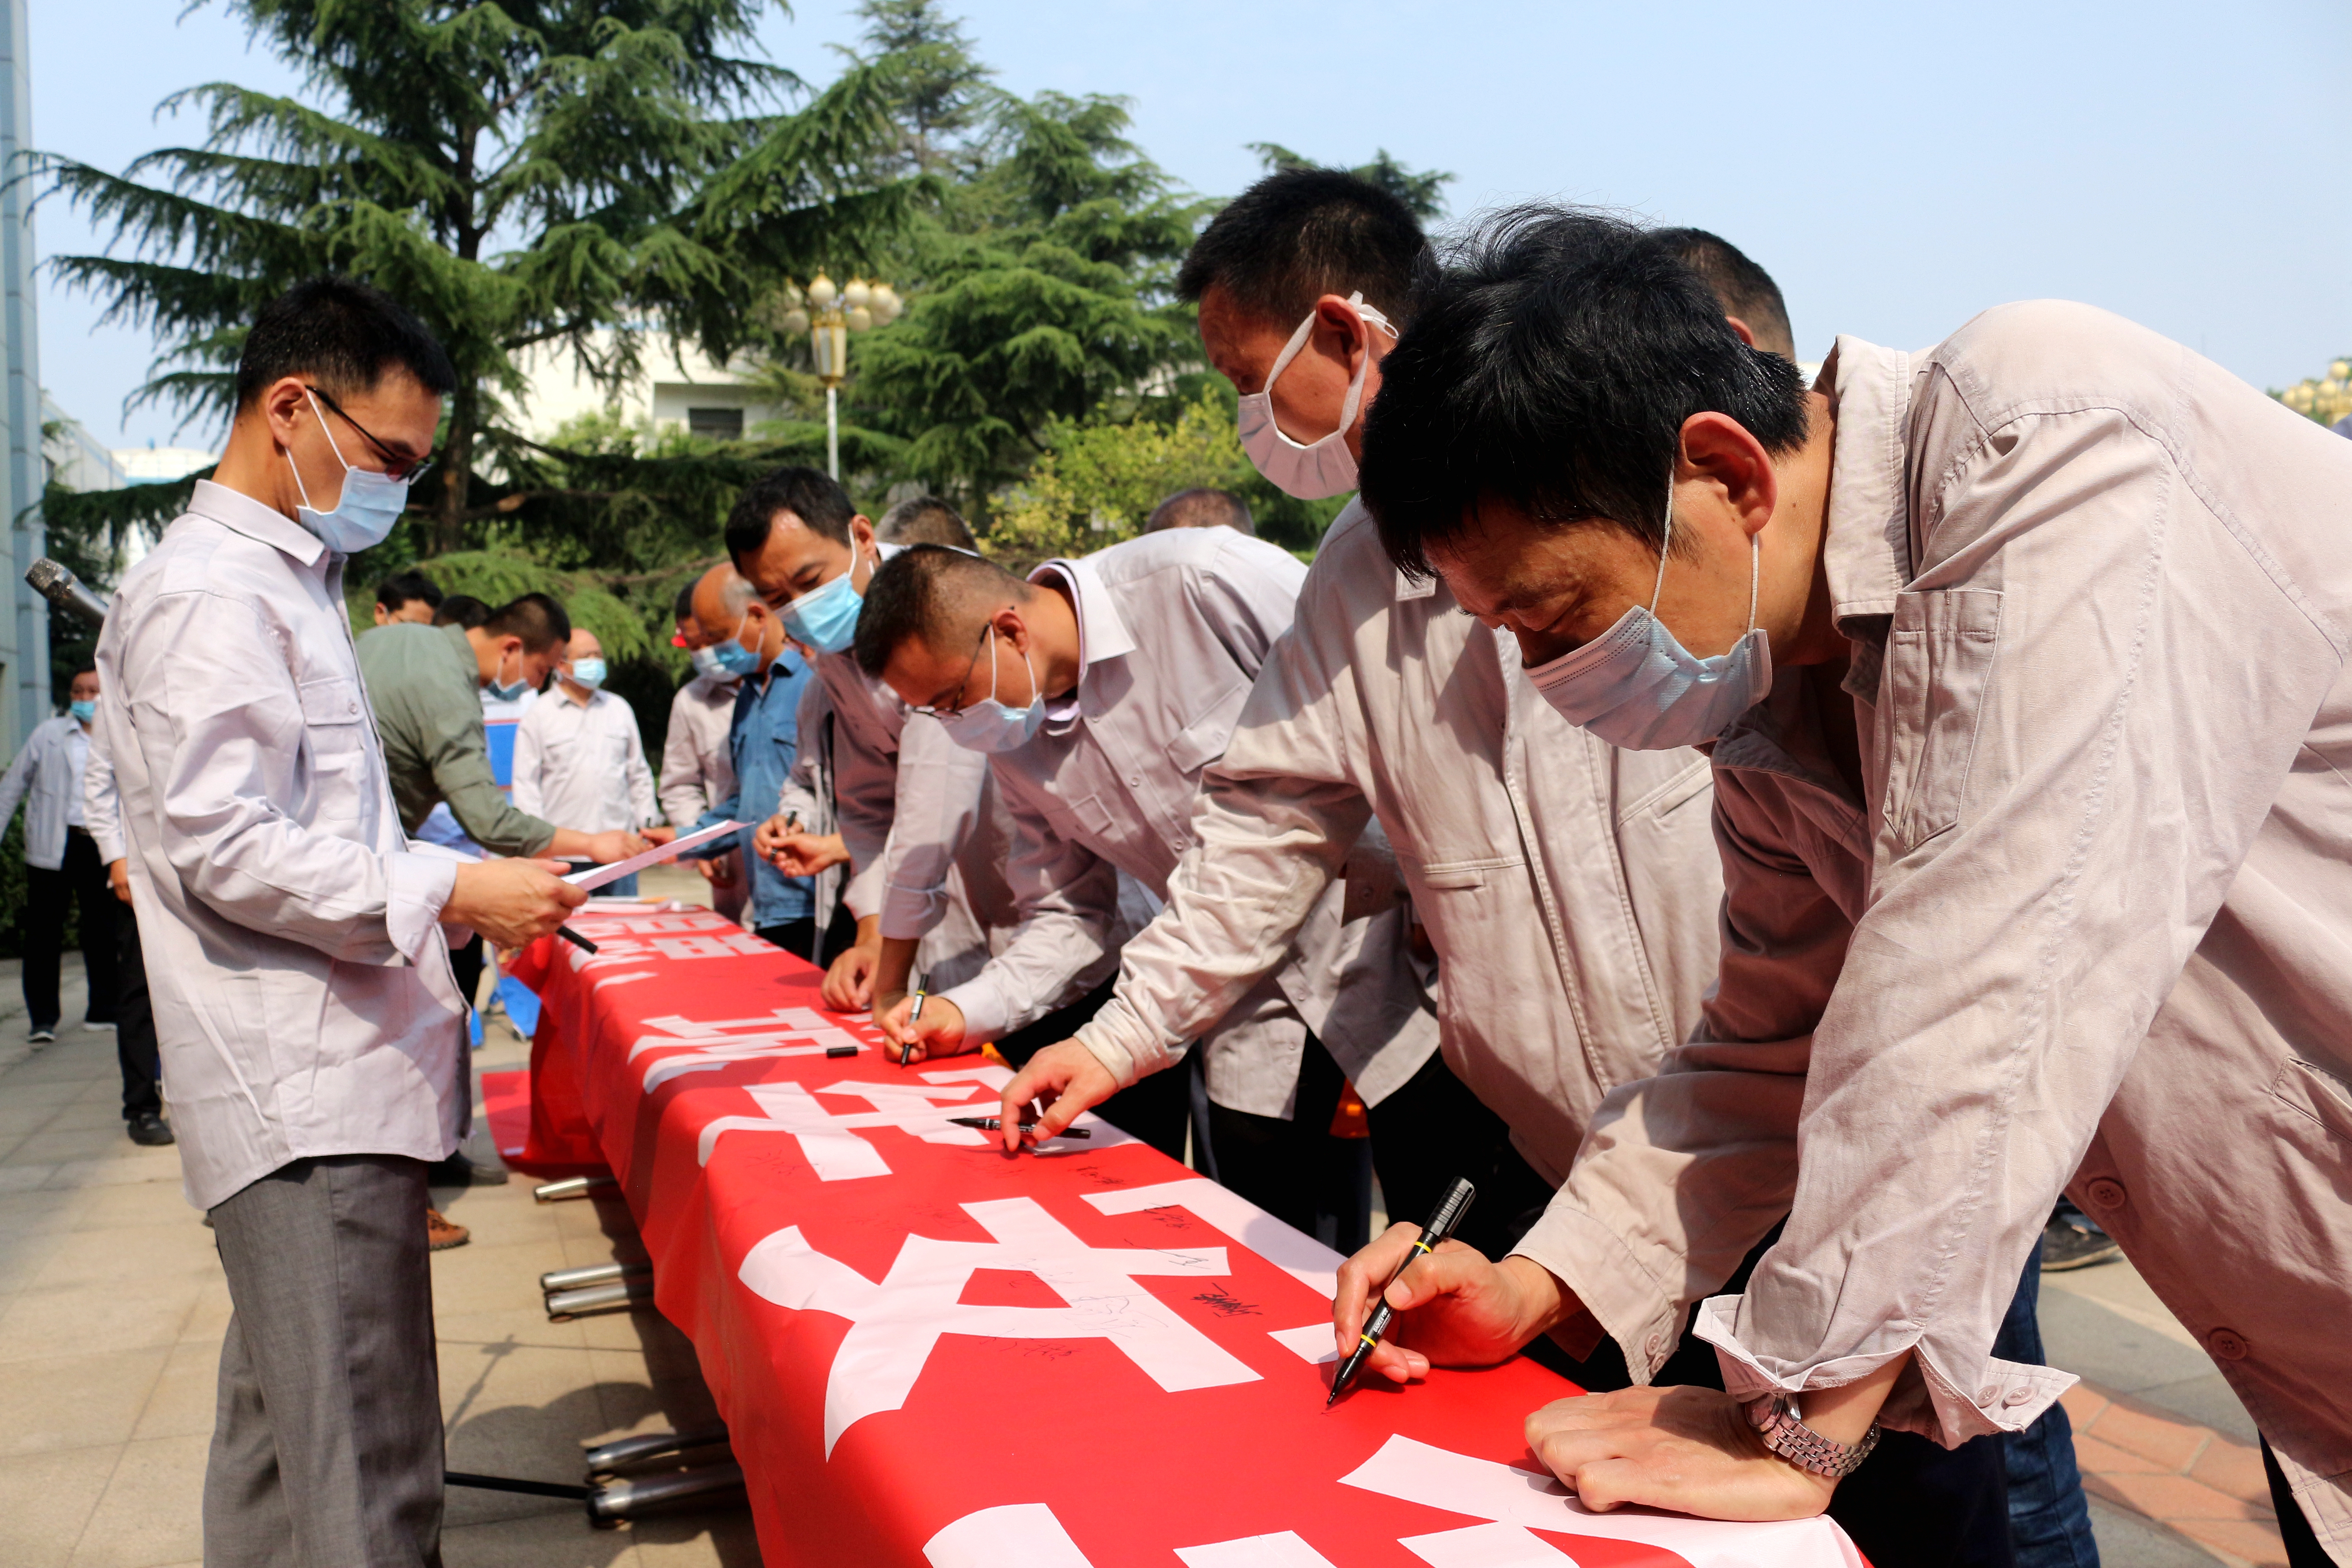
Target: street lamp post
{"points": [[829, 316]]}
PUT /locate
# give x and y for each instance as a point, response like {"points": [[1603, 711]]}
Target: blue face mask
{"points": [[733, 657], [990, 725], [371, 503], [1635, 685], [85, 712], [706, 662], [588, 672], [826, 618], [499, 691]]}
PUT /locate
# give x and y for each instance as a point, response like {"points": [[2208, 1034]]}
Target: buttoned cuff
{"points": [[987, 1015], [864, 892], [909, 913], [109, 845], [1127, 1049], [1927, 1400], [1633, 1306], [417, 890]]}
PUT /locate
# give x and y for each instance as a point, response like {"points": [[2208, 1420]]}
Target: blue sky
{"points": [[1897, 167]]}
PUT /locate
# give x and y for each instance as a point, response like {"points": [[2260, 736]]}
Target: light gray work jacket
{"points": [[1569, 888], [1173, 628], [2088, 923]]}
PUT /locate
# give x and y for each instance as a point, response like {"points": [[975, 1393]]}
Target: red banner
{"points": [[932, 1354]]}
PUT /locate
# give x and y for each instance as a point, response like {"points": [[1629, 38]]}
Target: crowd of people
{"points": [[1779, 840]]}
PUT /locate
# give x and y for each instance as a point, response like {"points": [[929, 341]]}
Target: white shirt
{"points": [[581, 765], [303, 993], [697, 771], [1173, 628], [78, 756]]}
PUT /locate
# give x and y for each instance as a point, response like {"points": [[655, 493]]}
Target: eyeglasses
{"points": [[932, 710], [400, 467]]}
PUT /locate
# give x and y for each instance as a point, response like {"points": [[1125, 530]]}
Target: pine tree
{"points": [[1424, 192], [597, 177]]}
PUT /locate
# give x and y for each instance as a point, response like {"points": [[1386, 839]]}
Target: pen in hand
{"points": [[1450, 1210], [913, 1017]]}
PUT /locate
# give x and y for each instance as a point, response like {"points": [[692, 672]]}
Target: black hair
{"points": [[684, 609], [1554, 368], [926, 519], [1202, 508], [812, 495], [917, 588], [80, 670], [341, 335], [1743, 289], [538, 620], [1301, 234], [403, 587], [465, 612]]}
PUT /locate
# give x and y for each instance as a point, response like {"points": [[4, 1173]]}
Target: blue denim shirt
{"points": [[764, 741]]}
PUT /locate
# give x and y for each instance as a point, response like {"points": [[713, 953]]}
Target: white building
{"points": [[679, 390], [153, 464]]}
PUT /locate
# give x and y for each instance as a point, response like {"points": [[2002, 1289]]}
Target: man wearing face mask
{"points": [[697, 773], [313, 1035], [578, 756], [2021, 660], [915, 813], [1567, 887], [763, 741], [1098, 689]]}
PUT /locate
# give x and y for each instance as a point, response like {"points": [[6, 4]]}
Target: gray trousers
{"points": [[327, 1448]]}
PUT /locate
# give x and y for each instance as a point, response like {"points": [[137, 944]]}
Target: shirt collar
{"points": [[1101, 633], [1866, 535], [236, 510]]}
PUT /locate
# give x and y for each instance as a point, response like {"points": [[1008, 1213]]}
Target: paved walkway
{"points": [[111, 1312]]}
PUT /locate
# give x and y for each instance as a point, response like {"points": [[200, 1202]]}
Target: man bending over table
{"points": [[2021, 662]]}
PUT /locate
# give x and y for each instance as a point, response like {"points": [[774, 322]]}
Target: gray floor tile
{"points": [[2128, 1541], [76, 1402], [153, 1511], [47, 1501]]}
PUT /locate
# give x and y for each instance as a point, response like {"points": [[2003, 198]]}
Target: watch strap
{"points": [[1779, 1422]]}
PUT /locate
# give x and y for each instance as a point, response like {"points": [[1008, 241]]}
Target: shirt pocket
{"points": [[332, 711], [334, 732], [1939, 663], [1203, 738]]}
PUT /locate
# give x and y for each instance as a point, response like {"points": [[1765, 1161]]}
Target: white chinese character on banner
{"points": [[896, 1323], [705, 1046], [830, 1143]]}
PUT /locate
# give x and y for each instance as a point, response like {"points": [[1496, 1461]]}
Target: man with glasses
{"points": [[312, 1035]]}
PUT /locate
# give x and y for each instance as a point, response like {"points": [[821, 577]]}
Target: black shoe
{"points": [[148, 1129], [2075, 1244], [456, 1171], [43, 1033]]}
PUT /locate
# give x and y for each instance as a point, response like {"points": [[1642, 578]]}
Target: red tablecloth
{"points": [[929, 1353]]}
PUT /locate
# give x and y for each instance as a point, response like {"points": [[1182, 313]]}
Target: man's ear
{"points": [[1334, 316], [1746, 335], [1718, 447], [861, 531], [284, 403]]}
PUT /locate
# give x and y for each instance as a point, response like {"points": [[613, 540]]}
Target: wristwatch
{"points": [[1777, 1420]]}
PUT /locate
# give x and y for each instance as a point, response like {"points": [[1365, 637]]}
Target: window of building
{"points": [[717, 424]]}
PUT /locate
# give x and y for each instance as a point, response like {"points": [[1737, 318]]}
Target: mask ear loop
{"points": [[1665, 542], [1371, 317], [1755, 561]]}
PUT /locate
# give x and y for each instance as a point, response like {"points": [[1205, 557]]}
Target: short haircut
{"points": [[341, 335], [1553, 369], [683, 610], [812, 495], [926, 519], [1745, 290], [80, 670], [538, 620], [917, 592], [1202, 508], [461, 610], [405, 587], [1301, 234]]}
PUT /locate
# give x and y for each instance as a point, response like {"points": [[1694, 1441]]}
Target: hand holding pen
{"points": [[1441, 1225]]}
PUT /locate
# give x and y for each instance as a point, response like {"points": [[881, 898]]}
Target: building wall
{"points": [[25, 628], [665, 395]]}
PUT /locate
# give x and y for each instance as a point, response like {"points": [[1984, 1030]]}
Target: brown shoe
{"points": [[440, 1236]]}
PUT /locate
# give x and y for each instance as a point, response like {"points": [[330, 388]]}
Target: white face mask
{"points": [[990, 725], [1637, 687], [1324, 468], [365, 511]]}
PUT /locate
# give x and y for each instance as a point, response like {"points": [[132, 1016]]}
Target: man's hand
{"points": [[606, 847], [1074, 1076], [720, 870], [1453, 1307], [939, 1033], [794, 853], [1689, 1449], [512, 901], [118, 873], [659, 835], [849, 983]]}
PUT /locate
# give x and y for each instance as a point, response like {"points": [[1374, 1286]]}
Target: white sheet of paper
{"points": [[1285, 1549], [597, 876]]}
